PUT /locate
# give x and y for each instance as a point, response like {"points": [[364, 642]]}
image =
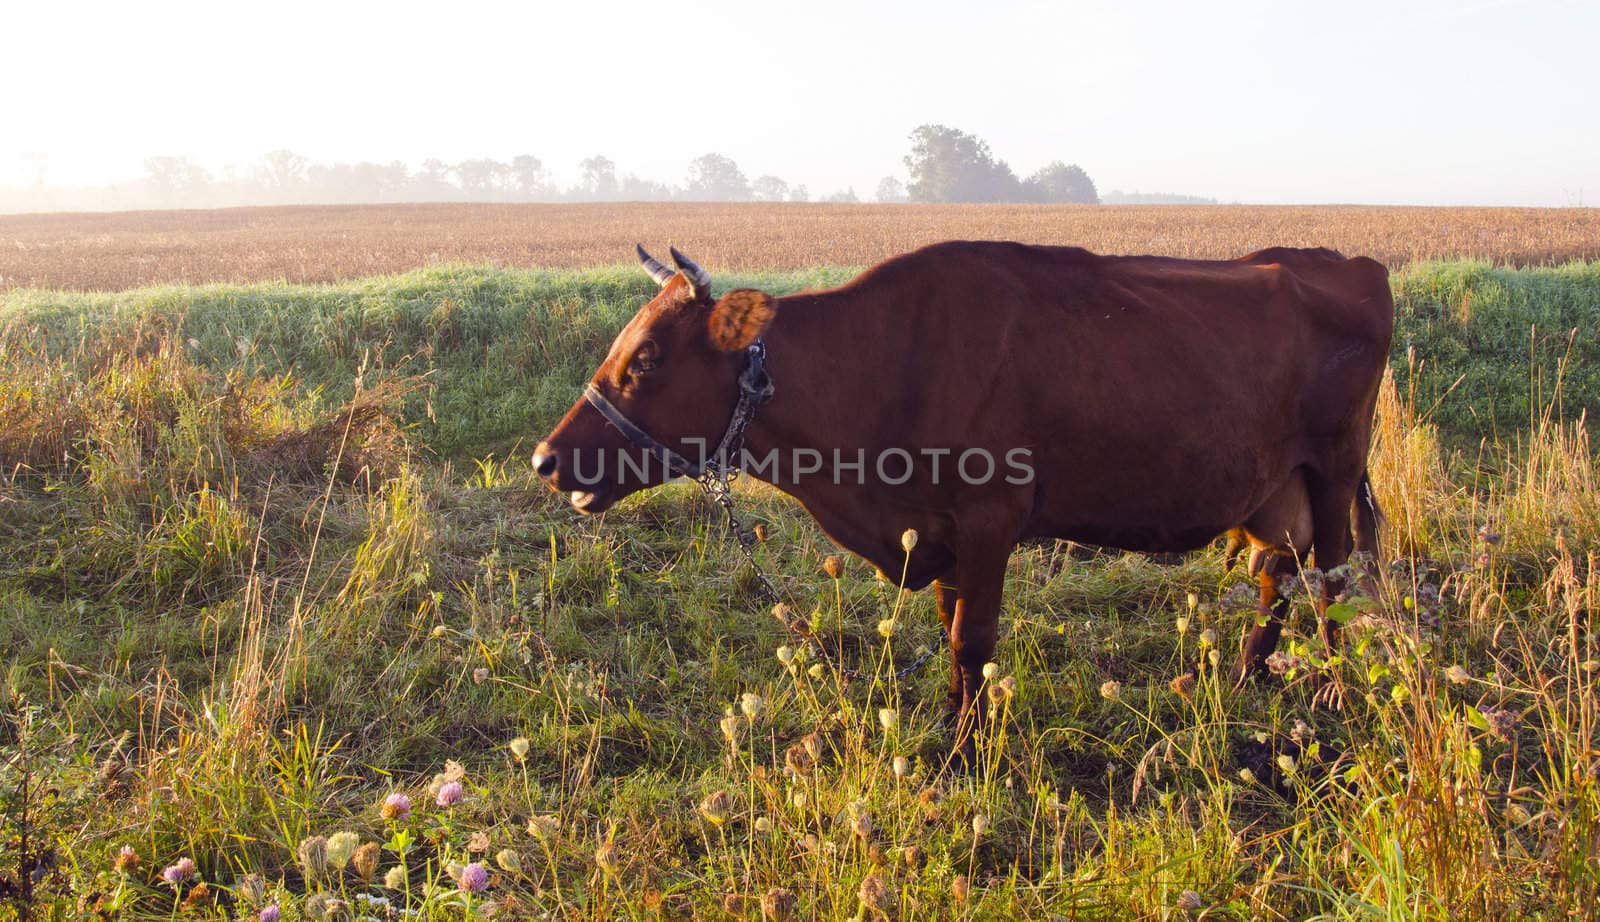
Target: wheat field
{"points": [[107, 252]]}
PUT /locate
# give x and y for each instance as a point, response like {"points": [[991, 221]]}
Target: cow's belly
{"points": [[1139, 500]]}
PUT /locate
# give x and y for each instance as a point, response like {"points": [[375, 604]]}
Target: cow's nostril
{"points": [[544, 462]]}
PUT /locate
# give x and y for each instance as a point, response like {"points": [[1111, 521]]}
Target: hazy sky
{"points": [[1429, 102]]}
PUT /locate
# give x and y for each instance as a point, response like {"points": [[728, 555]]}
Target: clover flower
{"points": [[450, 794], [270, 913], [396, 806], [474, 878], [179, 872]]}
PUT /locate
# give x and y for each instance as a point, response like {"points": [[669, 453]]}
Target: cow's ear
{"points": [[739, 318]]}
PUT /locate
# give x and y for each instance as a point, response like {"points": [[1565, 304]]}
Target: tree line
{"points": [[944, 165]]}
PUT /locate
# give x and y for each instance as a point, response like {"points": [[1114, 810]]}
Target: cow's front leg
{"points": [[948, 596], [972, 637]]}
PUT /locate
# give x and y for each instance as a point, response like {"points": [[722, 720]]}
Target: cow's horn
{"points": [[657, 271], [698, 277]]}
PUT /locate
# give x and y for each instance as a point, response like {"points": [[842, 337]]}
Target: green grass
{"points": [[250, 585]]}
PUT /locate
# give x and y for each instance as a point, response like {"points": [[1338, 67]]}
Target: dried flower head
{"points": [[960, 888], [888, 718], [1190, 901], [860, 820], [980, 824], [1286, 764], [520, 746], [365, 861], [313, 855], [908, 539], [1502, 723], [1182, 685], [990, 670], [478, 842], [1247, 776], [715, 807], [480, 675], [607, 858], [253, 888], [1183, 624], [508, 860], [886, 628], [752, 705], [450, 794], [396, 806], [786, 654], [544, 827], [1111, 689], [340, 848], [797, 760], [873, 894], [1458, 675], [813, 743], [1208, 637], [901, 766], [474, 878], [778, 905], [730, 726], [833, 566], [1193, 601], [127, 860], [395, 878]]}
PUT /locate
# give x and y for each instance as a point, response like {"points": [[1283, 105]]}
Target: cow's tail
{"points": [[1368, 518]]}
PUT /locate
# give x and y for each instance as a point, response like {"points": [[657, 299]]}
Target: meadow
{"points": [[291, 632]]}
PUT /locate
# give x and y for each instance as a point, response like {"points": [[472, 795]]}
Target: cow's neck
{"points": [[824, 391]]}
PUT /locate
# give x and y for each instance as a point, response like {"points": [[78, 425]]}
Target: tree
{"points": [[599, 178], [635, 189], [947, 165], [283, 170], [843, 196], [769, 189], [481, 178], [715, 178], [799, 194], [891, 190], [1061, 182], [527, 176], [175, 180]]}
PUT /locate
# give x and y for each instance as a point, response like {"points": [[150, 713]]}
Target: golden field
{"points": [[112, 251]]}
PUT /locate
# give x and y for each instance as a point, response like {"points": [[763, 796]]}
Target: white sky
{"points": [[1402, 101]]}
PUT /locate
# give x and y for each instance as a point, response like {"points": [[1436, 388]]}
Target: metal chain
{"points": [[717, 481]]}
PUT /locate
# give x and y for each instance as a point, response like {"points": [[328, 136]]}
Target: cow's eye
{"points": [[644, 361]]}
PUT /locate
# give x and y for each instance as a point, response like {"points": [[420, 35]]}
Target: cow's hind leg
{"points": [[1280, 533], [1331, 503]]}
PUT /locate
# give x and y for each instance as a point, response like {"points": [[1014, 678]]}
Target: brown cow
{"points": [[1154, 403]]}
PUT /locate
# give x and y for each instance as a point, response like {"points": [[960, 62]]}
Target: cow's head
{"points": [[672, 372]]}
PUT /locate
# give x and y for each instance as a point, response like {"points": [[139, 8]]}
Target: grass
{"points": [[251, 586]]}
